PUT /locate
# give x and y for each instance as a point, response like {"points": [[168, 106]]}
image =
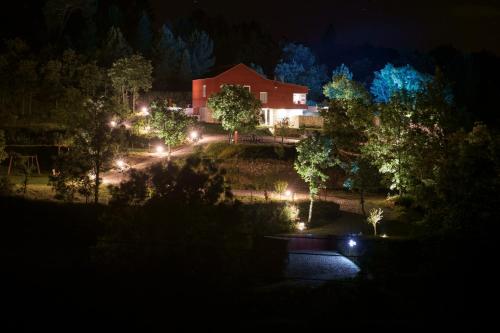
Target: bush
{"points": [[404, 200], [270, 218], [6, 187], [221, 150]]}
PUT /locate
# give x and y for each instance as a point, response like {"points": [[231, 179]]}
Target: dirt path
{"points": [[115, 177]]}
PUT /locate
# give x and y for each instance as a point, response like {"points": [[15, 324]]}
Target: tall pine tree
{"points": [[115, 47], [201, 51], [143, 36], [167, 55], [185, 72]]}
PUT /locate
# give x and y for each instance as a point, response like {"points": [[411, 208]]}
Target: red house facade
{"points": [[279, 100]]}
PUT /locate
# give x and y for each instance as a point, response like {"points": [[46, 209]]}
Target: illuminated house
{"points": [[279, 100]]}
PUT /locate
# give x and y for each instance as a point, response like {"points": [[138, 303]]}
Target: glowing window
{"points": [[263, 96], [299, 98]]}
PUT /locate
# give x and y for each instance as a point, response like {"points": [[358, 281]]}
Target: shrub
{"points": [[404, 200], [6, 187], [280, 187], [221, 150]]}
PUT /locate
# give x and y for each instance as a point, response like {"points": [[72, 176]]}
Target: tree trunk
{"points": [[230, 137], [134, 98], [30, 100], [97, 182], [310, 209], [236, 137], [362, 201], [375, 229], [169, 148]]}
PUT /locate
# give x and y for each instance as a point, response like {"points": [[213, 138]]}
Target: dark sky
{"points": [[469, 25]]}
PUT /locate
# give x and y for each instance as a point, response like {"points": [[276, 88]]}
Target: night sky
{"points": [[468, 25]]}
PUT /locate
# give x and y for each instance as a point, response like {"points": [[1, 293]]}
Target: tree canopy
{"points": [[314, 156], [298, 65], [391, 80], [171, 125], [235, 107]]}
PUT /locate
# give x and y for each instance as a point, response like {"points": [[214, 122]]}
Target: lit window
{"points": [[204, 90], [299, 98], [263, 96], [248, 87]]}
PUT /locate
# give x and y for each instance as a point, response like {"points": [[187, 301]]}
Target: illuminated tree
{"points": [[314, 156], [131, 75], [298, 65], [343, 88], [236, 108], [168, 124], [374, 218], [280, 187], [391, 80], [349, 115], [96, 143], [281, 128]]}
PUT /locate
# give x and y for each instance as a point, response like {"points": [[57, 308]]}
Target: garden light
{"points": [[384, 236], [352, 243], [144, 111], [193, 135], [120, 163], [301, 226], [288, 193], [112, 123], [159, 149]]}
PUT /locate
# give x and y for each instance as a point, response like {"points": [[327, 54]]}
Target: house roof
{"points": [[223, 69]]}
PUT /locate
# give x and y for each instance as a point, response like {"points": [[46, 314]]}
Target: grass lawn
{"points": [[39, 189]]}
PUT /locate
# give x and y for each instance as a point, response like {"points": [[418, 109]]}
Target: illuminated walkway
{"points": [[319, 266]]}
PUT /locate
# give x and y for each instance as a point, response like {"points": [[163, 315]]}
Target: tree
{"points": [[280, 187], [343, 88], [314, 156], [185, 73], [95, 141], [236, 108], [3, 153], [196, 182], [390, 80], [298, 65], [201, 53], [258, 69], [362, 177], [464, 193], [73, 176], [349, 114], [281, 128], [143, 35], [388, 145], [167, 54], [129, 76], [169, 124], [374, 218], [115, 47]]}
